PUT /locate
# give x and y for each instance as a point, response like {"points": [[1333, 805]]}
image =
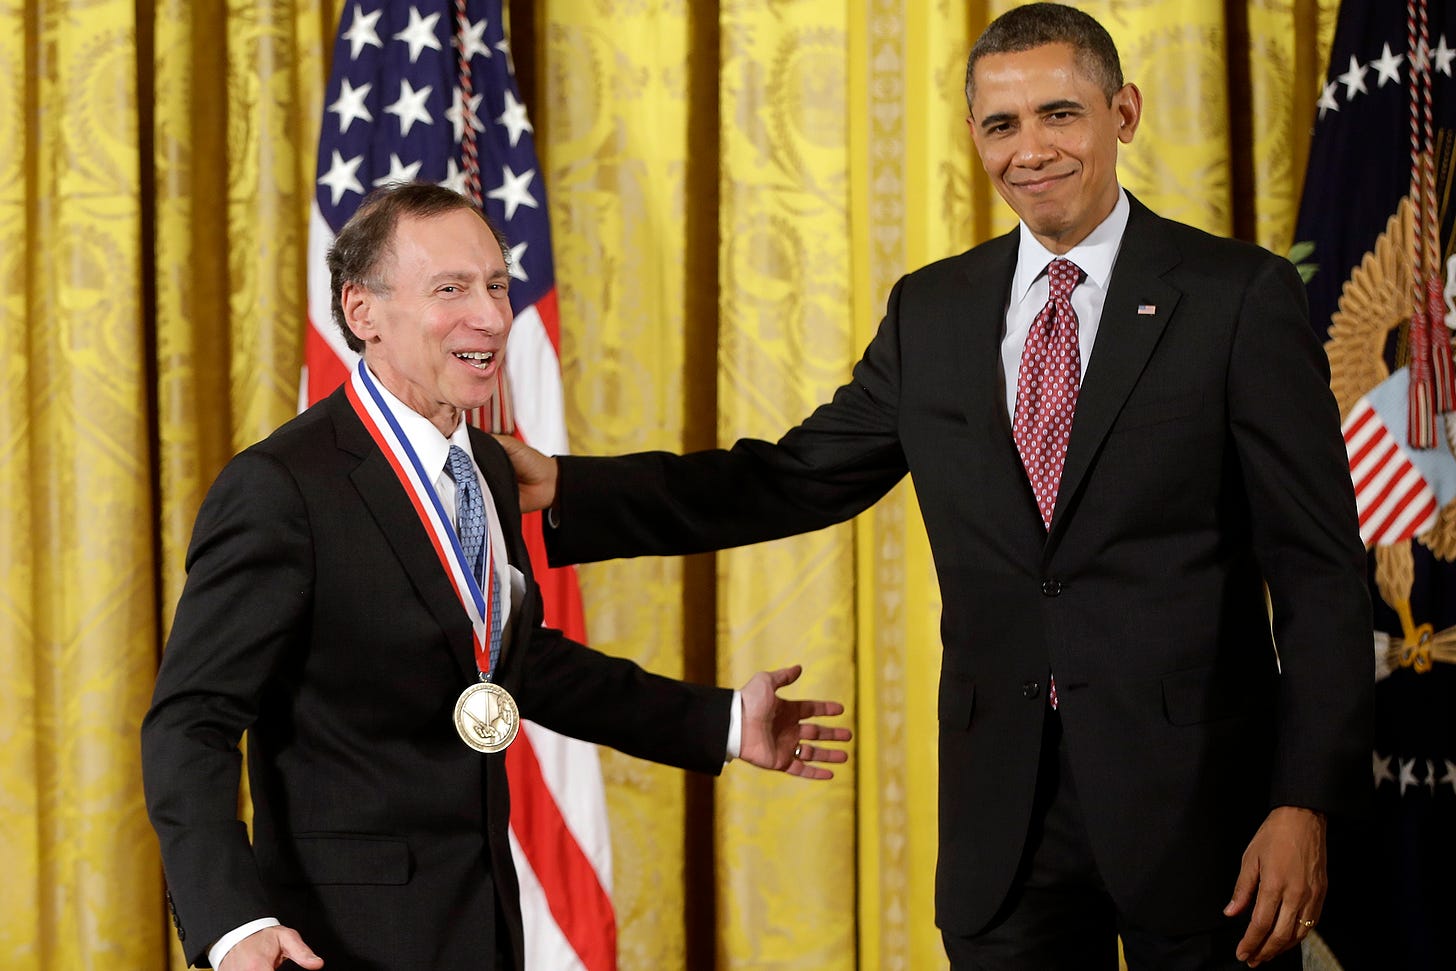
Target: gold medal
{"points": [[486, 717]]}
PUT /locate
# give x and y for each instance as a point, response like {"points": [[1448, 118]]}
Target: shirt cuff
{"points": [[735, 727], [228, 941]]}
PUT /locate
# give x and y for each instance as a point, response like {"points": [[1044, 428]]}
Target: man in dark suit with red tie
{"points": [[1120, 430], [360, 601]]}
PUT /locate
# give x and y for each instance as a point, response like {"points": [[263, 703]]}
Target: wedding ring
{"points": [[1306, 923], [798, 751]]}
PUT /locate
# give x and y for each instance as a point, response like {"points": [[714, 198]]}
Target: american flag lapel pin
{"points": [[1147, 309]]}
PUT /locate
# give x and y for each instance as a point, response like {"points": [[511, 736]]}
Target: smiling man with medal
{"points": [[359, 600]]}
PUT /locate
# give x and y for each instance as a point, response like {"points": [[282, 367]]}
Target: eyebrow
{"points": [[446, 275], [1049, 108]]}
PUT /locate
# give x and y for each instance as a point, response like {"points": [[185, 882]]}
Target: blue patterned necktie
{"points": [[470, 527]]}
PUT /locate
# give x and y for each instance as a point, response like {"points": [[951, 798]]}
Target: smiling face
{"points": [[434, 328], [1048, 139]]}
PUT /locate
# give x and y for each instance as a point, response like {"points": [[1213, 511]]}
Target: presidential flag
{"points": [[1376, 223], [426, 91]]}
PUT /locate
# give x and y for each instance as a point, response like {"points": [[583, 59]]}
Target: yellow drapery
{"points": [[734, 188]]}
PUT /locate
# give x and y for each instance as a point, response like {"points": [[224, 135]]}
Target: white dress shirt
{"points": [[433, 450], [1094, 255]]}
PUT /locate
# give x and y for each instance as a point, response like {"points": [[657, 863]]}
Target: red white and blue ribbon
{"points": [[382, 426]]}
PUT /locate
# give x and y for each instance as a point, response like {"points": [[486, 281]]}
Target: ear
{"points": [[1128, 103], [358, 305]]}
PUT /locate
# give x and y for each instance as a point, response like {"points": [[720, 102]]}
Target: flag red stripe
{"points": [[1374, 442], [1373, 501], [577, 899], [1380, 537], [325, 371], [1389, 452], [1361, 417], [574, 893], [550, 318], [1406, 498]]}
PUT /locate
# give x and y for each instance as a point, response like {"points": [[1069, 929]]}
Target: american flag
{"points": [[1398, 490], [426, 91]]}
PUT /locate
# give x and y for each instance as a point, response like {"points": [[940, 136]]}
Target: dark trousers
{"points": [[1058, 915]]}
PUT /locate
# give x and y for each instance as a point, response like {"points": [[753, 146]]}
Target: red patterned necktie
{"points": [[1046, 387]]}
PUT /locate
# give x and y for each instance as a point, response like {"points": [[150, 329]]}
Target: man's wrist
{"points": [[735, 728], [234, 937]]}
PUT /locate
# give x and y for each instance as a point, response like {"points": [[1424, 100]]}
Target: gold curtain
{"points": [[734, 188]]}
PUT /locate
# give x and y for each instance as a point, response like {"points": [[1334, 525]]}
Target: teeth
{"points": [[477, 357]]}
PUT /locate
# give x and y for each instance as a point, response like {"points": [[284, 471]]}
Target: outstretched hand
{"points": [[776, 734], [535, 473]]}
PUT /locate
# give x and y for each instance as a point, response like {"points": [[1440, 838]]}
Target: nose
{"points": [[1033, 148], [491, 314]]}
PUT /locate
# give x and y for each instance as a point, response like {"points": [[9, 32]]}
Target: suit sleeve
{"points": [[249, 583], [828, 469], [585, 694], [1286, 430]]}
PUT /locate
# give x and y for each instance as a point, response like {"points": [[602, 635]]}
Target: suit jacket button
{"points": [[1051, 587], [1030, 690]]}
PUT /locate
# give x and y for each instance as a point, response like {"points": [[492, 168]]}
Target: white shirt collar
{"points": [[1094, 255], [430, 446]]}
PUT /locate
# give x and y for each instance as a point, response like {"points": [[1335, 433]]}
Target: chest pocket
{"points": [[1159, 409]]}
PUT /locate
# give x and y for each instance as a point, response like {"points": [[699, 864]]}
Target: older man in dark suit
{"points": [[359, 599], [1120, 430]]}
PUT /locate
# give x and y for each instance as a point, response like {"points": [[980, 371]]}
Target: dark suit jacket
{"points": [[1205, 459], [317, 616]]}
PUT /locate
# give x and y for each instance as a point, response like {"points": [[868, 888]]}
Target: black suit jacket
{"points": [[317, 617], [1205, 459]]}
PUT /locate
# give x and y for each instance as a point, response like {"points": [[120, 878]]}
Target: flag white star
{"points": [[504, 46], [411, 106], [456, 116], [1431, 776], [351, 104], [341, 177], [1381, 766], [1408, 774], [1354, 79], [398, 172], [420, 33], [1444, 56], [513, 191], [455, 178], [1388, 65], [361, 32], [514, 118], [473, 41], [1449, 778], [1327, 100], [518, 269]]}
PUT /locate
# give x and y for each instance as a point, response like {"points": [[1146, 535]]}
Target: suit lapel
{"points": [[384, 496], [1126, 337], [988, 287]]}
